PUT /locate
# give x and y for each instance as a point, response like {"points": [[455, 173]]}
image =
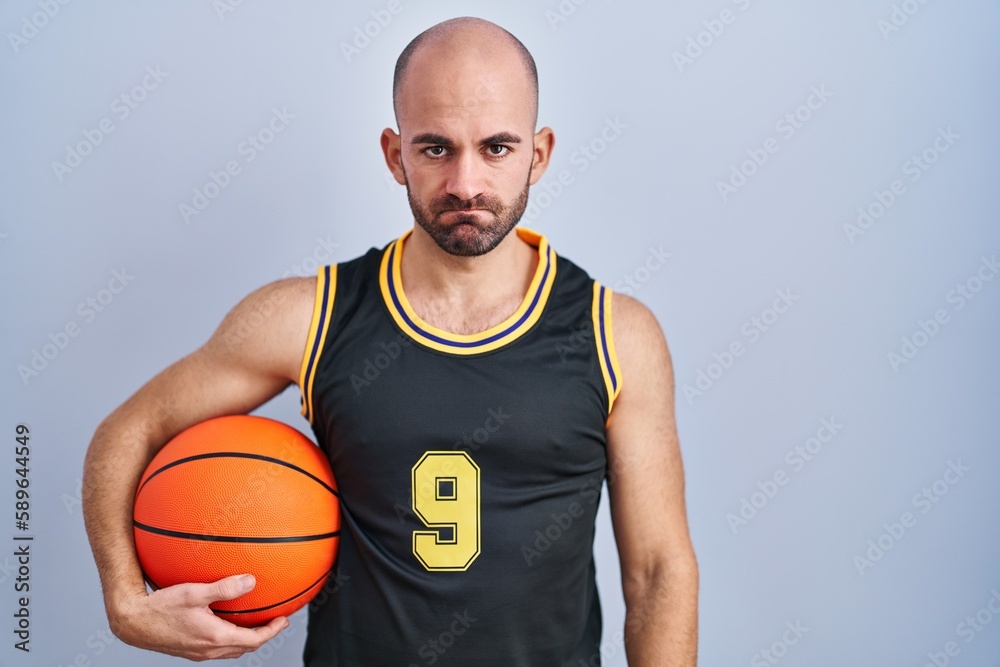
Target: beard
{"points": [[468, 234]]}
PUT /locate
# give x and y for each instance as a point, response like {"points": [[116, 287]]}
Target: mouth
{"points": [[469, 213]]}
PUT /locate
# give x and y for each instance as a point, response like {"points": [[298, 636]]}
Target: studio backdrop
{"points": [[805, 194]]}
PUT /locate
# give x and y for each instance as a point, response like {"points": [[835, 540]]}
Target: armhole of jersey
{"points": [[326, 291], [604, 336]]}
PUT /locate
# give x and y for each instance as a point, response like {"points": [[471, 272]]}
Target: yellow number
{"points": [[446, 498]]}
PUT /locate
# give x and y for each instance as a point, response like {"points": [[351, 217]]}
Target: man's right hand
{"points": [[177, 620]]}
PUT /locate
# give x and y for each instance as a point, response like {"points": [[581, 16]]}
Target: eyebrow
{"points": [[441, 140]]}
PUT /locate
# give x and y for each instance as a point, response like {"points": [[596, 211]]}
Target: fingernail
{"points": [[246, 582]]}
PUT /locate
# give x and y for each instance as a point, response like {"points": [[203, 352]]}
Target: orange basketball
{"points": [[240, 494]]}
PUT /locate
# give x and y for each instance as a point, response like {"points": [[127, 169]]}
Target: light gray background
{"points": [[323, 182]]}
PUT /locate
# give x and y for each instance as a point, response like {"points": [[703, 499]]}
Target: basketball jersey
{"points": [[469, 468]]}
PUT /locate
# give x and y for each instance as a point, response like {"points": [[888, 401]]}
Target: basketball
{"points": [[240, 494]]}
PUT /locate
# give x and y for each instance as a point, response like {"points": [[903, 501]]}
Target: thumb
{"points": [[230, 587]]}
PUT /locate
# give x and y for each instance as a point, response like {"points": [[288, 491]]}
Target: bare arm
{"points": [[254, 354], [646, 490]]}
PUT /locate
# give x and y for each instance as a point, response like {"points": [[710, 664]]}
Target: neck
{"points": [[438, 280]]}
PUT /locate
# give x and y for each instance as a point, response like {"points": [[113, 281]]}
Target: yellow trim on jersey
{"points": [[326, 291], [605, 339], [526, 315]]}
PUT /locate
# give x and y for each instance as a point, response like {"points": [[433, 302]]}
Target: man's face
{"points": [[467, 227], [466, 149]]}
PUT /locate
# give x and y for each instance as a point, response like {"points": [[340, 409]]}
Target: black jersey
{"points": [[469, 467]]}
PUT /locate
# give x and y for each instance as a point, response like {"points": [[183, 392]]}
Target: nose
{"points": [[465, 179]]}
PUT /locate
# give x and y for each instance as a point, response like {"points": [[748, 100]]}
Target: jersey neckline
{"points": [[512, 328]]}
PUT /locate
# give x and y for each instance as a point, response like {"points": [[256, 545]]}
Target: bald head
{"points": [[460, 40]]}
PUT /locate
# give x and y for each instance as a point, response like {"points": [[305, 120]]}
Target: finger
{"points": [[228, 588], [253, 638], [281, 621], [272, 629]]}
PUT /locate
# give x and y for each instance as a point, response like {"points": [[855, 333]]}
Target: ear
{"points": [[393, 156], [545, 141]]}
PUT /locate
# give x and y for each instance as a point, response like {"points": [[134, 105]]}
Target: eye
{"points": [[434, 148], [493, 153]]}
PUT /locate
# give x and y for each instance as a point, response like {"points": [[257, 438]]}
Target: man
{"points": [[470, 465]]}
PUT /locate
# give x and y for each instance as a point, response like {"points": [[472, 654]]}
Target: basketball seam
{"points": [[259, 609], [233, 538], [241, 455], [276, 604]]}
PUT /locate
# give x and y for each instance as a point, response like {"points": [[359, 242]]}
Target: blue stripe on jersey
{"points": [[462, 344], [604, 342], [319, 334]]}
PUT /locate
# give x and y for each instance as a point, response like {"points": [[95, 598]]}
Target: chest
{"points": [[527, 415], [466, 319]]}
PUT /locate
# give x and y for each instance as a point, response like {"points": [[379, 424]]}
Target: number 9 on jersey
{"points": [[445, 497]]}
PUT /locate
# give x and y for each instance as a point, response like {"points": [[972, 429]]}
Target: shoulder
{"points": [[267, 329], [639, 340], [283, 297], [633, 319]]}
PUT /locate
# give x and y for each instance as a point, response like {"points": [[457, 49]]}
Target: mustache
{"points": [[452, 203]]}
